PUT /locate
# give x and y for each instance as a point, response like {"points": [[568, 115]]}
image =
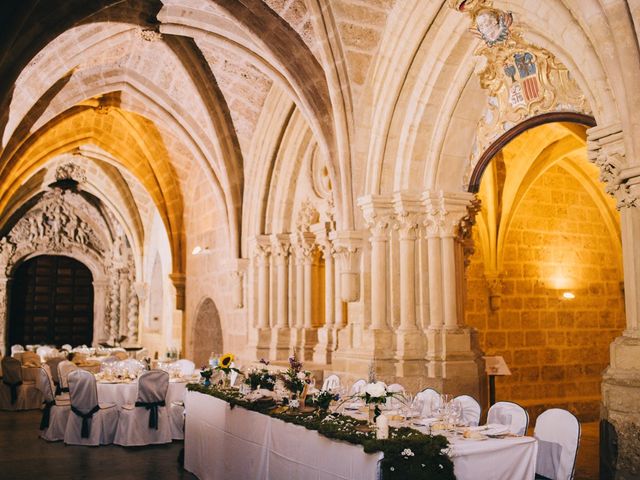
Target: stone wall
{"points": [[556, 348]]}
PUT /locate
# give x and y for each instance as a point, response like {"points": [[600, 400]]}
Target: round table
{"points": [[126, 393]]}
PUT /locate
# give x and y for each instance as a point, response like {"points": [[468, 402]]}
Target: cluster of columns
{"points": [[295, 306], [620, 416]]}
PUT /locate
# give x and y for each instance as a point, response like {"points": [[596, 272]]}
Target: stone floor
{"points": [[24, 456]]}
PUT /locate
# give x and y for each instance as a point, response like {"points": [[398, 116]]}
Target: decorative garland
{"points": [[407, 453]]}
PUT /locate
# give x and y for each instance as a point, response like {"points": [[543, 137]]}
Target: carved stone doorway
{"points": [[51, 302]]}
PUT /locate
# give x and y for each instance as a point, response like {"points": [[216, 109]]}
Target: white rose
{"points": [[301, 376], [376, 390]]}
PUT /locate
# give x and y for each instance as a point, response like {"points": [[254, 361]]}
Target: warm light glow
{"points": [[568, 295], [196, 250]]}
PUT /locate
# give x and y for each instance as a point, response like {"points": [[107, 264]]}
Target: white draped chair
{"points": [[16, 349], [56, 412], [89, 422], [176, 418], [558, 435], [395, 388], [65, 367], [332, 382], [147, 422], [357, 386], [187, 367], [431, 402], [470, 410], [16, 394], [511, 415], [53, 366]]}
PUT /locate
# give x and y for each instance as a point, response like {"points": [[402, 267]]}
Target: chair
{"points": [[357, 386], [431, 401], [89, 423], [187, 367], [332, 382], [65, 367], [16, 394], [30, 359], [53, 366], [395, 388], [558, 435], [176, 418], [511, 415], [16, 349], [56, 412], [470, 410], [148, 421]]}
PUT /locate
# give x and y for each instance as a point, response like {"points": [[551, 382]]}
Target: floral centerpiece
{"points": [[324, 399], [261, 377], [224, 366], [375, 393], [206, 372], [295, 380]]}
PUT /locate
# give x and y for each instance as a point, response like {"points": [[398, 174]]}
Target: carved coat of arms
{"points": [[522, 72]]}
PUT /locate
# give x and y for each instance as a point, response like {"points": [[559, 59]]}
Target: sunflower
{"points": [[225, 360]]}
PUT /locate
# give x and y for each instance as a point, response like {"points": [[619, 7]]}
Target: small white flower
{"points": [[407, 452], [422, 465], [440, 465], [301, 376], [392, 469]]}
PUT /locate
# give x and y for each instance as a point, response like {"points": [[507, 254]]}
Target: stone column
{"points": [[326, 334], [281, 334], [453, 359], [348, 253], [238, 272], [620, 417], [259, 337], [307, 334], [100, 324], [410, 343]]}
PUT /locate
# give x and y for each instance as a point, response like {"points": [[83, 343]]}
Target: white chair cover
{"points": [[148, 421], [431, 401], [176, 417], [357, 386], [511, 415], [16, 349], [30, 359], [16, 394], [89, 423], [332, 382], [66, 347], [558, 435], [187, 367], [54, 415], [470, 410], [43, 352], [395, 388], [65, 367]]}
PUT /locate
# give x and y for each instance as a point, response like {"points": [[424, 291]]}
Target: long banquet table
{"points": [[223, 443]]}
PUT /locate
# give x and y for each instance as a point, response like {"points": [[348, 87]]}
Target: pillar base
{"points": [[280, 348], [323, 351], [259, 342], [620, 400], [304, 340], [410, 347]]}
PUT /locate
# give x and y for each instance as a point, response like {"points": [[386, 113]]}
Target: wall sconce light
{"points": [[568, 295], [198, 250]]}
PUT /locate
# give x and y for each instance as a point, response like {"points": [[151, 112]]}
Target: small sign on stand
{"points": [[495, 366]]}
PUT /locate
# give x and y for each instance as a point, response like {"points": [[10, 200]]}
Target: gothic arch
{"points": [[207, 331]]}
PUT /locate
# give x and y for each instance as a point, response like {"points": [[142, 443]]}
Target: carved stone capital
{"points": [[322, 232], [409, 215], [179, 281], [261, 249], [348, 252], [494, 285], [446, 212], [605, 148], [378, 215], [280, 248], [304, 246]]}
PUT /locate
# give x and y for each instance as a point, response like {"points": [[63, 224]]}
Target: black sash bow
{"points": [[153, 411], [14, 389], [64, 389], [46, 413], [58, 388], [85, 419]]}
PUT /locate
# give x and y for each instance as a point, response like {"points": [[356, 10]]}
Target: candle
{"points": [[382, 427]]}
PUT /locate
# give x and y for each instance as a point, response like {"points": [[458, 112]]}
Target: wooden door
{"points": [[51, 302]]}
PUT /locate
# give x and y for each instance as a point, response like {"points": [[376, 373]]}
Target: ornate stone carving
{"points": [[521, 80], [605, 148], [307, 216], [150, 34], [71, 171], [348, 252]]}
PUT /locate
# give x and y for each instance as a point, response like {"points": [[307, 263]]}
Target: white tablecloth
{"points": [[223, 443], [126, 393]]}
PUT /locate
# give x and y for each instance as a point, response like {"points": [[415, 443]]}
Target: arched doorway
{"points": [[207, 334], [544, 283], [51, 302]]}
